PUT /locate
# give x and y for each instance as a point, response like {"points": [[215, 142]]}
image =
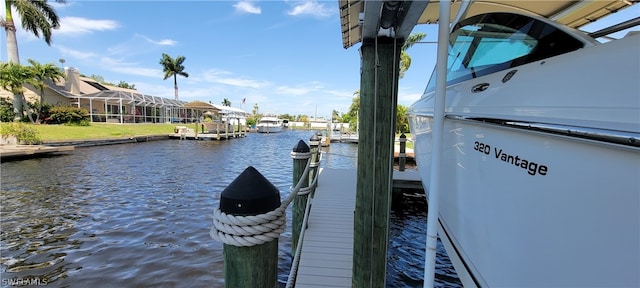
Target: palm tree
{"points": [[12, 78], [405, 59], [402, 123], [38, 17], [41, 73], [226, 102], [173, 67]]}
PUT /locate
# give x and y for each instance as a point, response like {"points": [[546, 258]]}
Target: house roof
{"points": [[360, 19], [217, 108], [200, 105], [91, 89]]}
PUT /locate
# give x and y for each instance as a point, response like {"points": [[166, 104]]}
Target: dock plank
{"points": [[327, 250]]}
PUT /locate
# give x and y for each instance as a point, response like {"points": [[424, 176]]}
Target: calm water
{"points": [[134, 215]]}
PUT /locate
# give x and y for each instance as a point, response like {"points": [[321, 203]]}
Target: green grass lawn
{"points": [[99, 131], [106, 131]]}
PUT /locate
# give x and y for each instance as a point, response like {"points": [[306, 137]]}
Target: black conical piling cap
{"points": [[301, 147], [314, 137], [249, 194], [403, 136], [318, 133]]}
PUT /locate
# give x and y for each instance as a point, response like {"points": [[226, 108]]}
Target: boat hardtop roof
{"points": [[569, 13]]}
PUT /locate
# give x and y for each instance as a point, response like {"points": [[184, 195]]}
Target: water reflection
{"points": [[407, 240], [139, 214]]}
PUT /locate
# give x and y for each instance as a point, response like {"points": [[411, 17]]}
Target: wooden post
{"points": [[195, 131], [314, 142], [300, 155], [239, 128], [378, 99], [402, 154], [253, 266]]}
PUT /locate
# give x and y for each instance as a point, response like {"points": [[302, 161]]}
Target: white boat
{"points": [[269, 124], [539, 178]]}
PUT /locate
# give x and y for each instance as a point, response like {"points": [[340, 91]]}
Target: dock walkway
{"points": [[327, 249]]}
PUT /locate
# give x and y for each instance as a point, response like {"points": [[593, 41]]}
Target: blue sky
{"points": [[286, 56]]}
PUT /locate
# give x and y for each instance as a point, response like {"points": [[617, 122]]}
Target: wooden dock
{"points": [[27, 151], [407, 179], [327, 249], [182, 132]]}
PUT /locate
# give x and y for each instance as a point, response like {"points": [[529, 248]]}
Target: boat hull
{"points": [[269, 129], [555, 221], [269, 124], [540, 172]]}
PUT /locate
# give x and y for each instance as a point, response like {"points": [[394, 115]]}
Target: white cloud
{"points": [[301, 89], [341, 93], [108, 63], [78, 25], [163, 42], [293, 91], [138, 45], [131, 69], [247, 7], [189, 93], [310, 8], [66, 51], [225, 77]]}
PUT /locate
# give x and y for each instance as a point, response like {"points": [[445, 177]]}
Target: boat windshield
{"points": [[488, 43]]}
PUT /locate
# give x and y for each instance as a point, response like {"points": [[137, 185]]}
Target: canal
{"points": [[138, 215]]}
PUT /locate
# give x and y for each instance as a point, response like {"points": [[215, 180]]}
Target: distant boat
{"points": [[269, 124]]}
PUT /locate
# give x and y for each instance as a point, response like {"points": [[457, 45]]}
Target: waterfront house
{"points": [[112, 104]]}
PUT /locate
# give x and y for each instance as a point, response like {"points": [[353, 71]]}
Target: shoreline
{"points": [[106, 141], [11, 152]]}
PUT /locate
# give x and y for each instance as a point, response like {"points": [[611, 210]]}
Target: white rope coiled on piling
{"points": [[244, 231], [248, 230]]}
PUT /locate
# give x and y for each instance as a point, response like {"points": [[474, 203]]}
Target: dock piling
{"points": [[250, 252], [378, 100], [314, 143], [402, 161], [195, 131], [300, 155]]}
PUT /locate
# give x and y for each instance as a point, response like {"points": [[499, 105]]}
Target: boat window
{"points": [[488, 43]]}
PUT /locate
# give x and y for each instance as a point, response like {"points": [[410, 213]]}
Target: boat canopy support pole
{"points": [[438, 131], [378, 100]]}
